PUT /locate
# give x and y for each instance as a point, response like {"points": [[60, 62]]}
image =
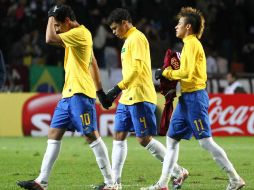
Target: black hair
{"points": [[118, 15], [64, 11], [195, 18]]}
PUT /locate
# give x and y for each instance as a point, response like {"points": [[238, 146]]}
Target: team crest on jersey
{"points": [[123, 50]]}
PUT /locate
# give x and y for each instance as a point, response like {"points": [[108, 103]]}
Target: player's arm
{"points": [[94, 69], [126, 82], [187, 65], [52, 37], [136, 70]]}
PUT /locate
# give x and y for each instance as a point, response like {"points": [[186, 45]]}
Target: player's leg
{"points": [[199, 121], [83, 116], [58, 126], [220, 156], [119, 151], [119, 154], [144, 122], [170, 160], [155, 147], [177, 130]]}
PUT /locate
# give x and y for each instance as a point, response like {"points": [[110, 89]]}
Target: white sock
{"points": [[119, 154], [49, 159], [101, 154], [220, 156], [169, 161], [158, 150]]}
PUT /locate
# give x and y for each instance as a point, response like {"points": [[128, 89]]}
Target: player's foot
{"points": [[33, 185], [154, 187], [118, 186], [177, 180], [105, 187], [235, 185]]}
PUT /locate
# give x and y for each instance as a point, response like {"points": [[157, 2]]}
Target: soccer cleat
{"points": [[235, 185], [33, 185], [106, 187], [177, 180], [154, 187], [118, 186]]}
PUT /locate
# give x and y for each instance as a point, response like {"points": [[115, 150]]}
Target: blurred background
{"points": [[33, 66], [35, 75]]}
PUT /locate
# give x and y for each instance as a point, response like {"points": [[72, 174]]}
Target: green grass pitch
{"points": [[76, 169]]}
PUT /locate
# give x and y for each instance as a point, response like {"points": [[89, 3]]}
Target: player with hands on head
{"points": [[190, 116], [137, 104], [76, 110]]}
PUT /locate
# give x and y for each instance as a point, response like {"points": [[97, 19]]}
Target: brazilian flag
{"points": [[46, 79]]}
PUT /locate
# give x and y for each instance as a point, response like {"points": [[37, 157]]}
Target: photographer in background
{"points": [[234, 86]]}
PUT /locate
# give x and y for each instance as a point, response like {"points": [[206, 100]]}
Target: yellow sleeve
{"points": [[76, 37], [137, 67], [187, 62]]}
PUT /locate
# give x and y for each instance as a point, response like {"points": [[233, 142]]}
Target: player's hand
{"points": [[103, 99], [53, 11], [158, 74], [113, 93]]}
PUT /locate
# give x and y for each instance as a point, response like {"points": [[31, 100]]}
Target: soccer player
{"points": [[76, 110], [191, 114], [136, 108]]}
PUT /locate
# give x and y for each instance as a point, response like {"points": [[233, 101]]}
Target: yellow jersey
{"points": [[192, 72], [78, 55], [137, 83]]}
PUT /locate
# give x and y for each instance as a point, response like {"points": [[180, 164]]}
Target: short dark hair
{"points": [[64, 11], [195, 18], [118, 15]]}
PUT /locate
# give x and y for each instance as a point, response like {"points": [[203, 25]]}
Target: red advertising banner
{"points": [[232, 115], [38, 111]]}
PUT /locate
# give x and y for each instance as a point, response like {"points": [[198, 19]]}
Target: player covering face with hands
{"points": [[190, 116], [137, 104], [76, 109]]}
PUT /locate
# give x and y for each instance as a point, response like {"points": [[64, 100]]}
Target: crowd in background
{"points": [[228, 37]]}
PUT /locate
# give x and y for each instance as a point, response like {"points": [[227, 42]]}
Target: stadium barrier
{"points": [[29, 114], [50, 79]]}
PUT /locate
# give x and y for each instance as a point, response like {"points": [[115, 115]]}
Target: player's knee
{"points": [[205, 143], [56, 133], [144, 141], [91, 137], [172, 143]]}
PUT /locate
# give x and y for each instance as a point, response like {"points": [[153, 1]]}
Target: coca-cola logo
{"points": [[231, 114]]}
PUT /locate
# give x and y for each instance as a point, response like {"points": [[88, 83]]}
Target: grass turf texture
{"points": [[76, 168]]}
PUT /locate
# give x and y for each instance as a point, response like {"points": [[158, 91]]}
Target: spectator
{"points": [[211, 64], [234, 86], [222, 63]]}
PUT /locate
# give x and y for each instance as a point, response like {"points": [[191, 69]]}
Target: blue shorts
{"points": [[191, 116], [76, 113], [139, 117]]}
